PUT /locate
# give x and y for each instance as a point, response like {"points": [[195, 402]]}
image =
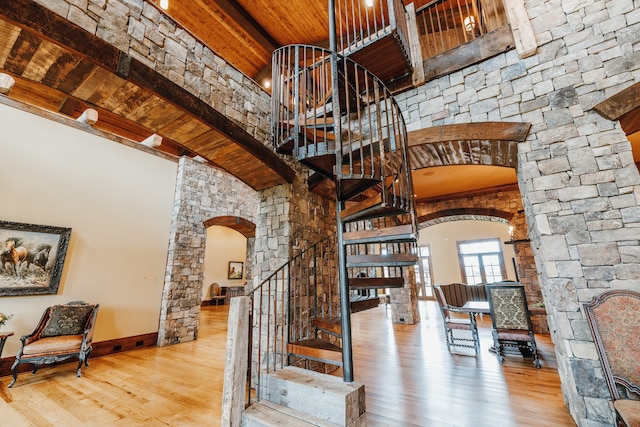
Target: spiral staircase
{"points": [[341, 121]]}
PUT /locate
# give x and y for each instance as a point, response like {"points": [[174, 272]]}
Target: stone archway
{"points": [[203, 194]]}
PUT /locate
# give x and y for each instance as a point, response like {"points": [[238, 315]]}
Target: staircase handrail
{"points": [[274, 316]]}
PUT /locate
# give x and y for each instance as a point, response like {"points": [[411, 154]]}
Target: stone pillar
{"points": [[404, 301], [201, 193]]}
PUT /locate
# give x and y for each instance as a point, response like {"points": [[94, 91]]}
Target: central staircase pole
{"points": [[343, 280]]}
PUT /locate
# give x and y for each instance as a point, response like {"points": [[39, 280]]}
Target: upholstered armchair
{"points": [[614, 320], [64, 331], [511, 320]]}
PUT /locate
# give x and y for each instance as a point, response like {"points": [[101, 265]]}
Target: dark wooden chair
{"points": [[614, 320], [64, 331], [458, 294], [511, 320], [453, 323], [217, 294]]}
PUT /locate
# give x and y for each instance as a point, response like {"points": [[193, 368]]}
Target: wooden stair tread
{"points": [[398, 233], [316, 349], [376, 282], [331, 325], [379, 260], [266, 413]]}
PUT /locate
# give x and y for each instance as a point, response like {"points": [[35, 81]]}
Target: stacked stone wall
{"points": [[201, 193], [579, 184], [141, 30]]}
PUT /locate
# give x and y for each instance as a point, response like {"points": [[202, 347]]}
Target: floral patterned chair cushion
{"points": [[67, 320], [614, 320]]}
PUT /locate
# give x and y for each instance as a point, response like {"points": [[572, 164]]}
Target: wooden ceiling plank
{"points": [[21, 53], [60, 69], [132, 100], [8, 36], [143, 109], [119, 97], [105, 90], [43, 59], [91, 84], [187, 130], [71, 81]]}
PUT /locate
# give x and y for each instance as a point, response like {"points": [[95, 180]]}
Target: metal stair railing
{"points": [[358, 24], [365, 137], [284, 305]]}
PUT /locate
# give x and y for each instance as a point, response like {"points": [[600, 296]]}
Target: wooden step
{"points": [[331, 325], [267, 414], [364, 304], [378, 260], [372, 207], [316, 349], [397, 234], [376, 282]]}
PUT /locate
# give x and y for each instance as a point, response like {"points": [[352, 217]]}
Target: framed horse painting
{"points": [[31, 258]]}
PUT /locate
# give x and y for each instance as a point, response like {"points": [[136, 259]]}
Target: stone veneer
{"points": [[139, 29], [579, 184], [202, 192], [506, 203]]}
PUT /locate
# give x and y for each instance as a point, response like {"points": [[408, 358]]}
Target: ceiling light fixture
{"points": [[369, 3], [469, 23], [164, 4], [267, 83]]}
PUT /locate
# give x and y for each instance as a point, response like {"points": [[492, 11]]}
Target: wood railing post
{"points": [[234, 388]]}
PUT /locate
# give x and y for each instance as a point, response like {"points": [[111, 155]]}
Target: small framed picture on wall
{"points": [[235, 270]]}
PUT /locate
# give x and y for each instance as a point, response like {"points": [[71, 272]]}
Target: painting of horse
{"points": [[31, 258]]}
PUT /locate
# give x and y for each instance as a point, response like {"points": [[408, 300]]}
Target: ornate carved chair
{"points": [[614, 320], [64, 331], [452, 324], [511, 321]]}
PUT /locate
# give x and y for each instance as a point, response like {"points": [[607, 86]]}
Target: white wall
{"points": [[223, 245], [118, 202], [442, 239]]}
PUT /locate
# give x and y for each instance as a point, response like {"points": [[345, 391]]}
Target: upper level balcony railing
{"points": [[446, 24], [374, 34]]}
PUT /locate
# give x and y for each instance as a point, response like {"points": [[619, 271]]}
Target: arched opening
{"points": [[227, 257]]}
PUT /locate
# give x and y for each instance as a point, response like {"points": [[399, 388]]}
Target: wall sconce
{"points": [[469, 23], [164, 4]]}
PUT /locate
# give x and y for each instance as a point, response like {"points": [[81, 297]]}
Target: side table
{"points": [[3, 338]]}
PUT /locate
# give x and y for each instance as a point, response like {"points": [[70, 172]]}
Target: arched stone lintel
{"points": [[490, 131], [241, 225], [478, 214]]}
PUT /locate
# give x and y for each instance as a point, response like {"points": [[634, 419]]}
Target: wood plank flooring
{"points": [[410, 379]]}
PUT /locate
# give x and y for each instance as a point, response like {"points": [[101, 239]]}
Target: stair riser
{"points": [[321, 396]]}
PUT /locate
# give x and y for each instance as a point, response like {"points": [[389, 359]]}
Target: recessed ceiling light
{"points": [[164, 4]]}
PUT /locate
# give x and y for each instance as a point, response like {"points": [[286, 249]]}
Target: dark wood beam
{"points": [[484, 47], [249, 24], [490, 131], [620, 104]]}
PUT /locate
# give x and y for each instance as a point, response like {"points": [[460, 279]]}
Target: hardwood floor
{"points": [[410, 379]]}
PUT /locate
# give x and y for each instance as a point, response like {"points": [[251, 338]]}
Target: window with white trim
{"points": [[481, 261]]}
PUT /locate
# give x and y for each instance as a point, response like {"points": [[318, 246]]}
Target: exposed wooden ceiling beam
{"points": [[490, 131], [249, 24]]}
